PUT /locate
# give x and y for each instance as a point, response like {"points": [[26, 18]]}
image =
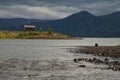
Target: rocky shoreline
{"points": [[111, 65], [101, 51], [105, 51]]}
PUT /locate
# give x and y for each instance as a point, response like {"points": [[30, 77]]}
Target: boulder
{"points": [[82, 66]]}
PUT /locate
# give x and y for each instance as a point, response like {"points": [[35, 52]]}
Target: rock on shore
{"points": [[113, 65], [107, 51]]}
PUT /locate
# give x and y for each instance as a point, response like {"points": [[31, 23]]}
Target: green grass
{"points": [[32, 35]]}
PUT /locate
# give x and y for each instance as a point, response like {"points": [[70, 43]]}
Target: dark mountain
{"points": [[15, 23], [83, 24], [72, 25]]}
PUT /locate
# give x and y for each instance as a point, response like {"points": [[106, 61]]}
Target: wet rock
{"points": [[82, 66], [94, 59], [112, 65], [98, 61], [100, 54], [75, 60], [79, 59], [106, 59], [116, 63], [86, 59], [90, 60]]}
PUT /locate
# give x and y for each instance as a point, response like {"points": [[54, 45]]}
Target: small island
{"points": [[33, 35]]}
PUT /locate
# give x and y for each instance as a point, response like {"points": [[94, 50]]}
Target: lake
{"points": [[51, 53], [45, 49]]}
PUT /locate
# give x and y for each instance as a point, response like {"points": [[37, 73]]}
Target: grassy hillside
{"points": [[32, 35]]}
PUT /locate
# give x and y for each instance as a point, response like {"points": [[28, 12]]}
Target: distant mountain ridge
{"points": [[82, 24]]}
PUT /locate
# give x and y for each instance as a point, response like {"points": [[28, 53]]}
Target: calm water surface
{"points": [[47, 49]]}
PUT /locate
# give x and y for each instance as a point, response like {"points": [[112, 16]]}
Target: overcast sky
{"points": [[54, 9]]}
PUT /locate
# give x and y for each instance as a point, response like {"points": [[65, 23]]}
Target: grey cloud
{"points": [[54, 9], [53, 2]]}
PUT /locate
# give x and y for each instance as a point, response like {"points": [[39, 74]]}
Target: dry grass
{"points": [[32, 35]]}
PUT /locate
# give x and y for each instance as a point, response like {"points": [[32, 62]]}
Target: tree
{"points": [[41, 30], [50, 31]]}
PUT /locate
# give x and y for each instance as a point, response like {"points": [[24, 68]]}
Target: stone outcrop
{"points": [[113, 65]]}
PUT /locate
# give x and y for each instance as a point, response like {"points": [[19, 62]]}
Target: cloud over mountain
{"points": [[54, 9]]}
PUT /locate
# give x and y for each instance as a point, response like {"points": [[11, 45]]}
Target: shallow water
{"points": [[50, 60], [47, 49]]}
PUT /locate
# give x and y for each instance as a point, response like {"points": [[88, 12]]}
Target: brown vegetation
{"points": [[32, 35]]}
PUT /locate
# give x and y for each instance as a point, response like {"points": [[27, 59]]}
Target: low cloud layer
{"points": [[54, 9]]}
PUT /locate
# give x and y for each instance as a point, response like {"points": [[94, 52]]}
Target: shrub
{"points": [[50, 31], [41, 30]]}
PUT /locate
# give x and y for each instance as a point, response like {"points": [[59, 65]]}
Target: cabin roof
{"points": [[29, 26]]}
